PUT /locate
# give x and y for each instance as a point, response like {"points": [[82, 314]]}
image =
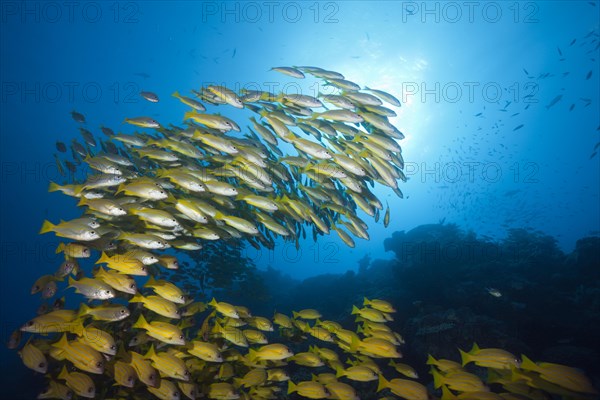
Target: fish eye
{"points": [[181, 337], [144, 269], [122, 312], [29, 323], [130, 379], [132, 286], [42, 365], [107, 291], [92, 233], [98, 364], [152, 377], [90, 390], [113, 347]]}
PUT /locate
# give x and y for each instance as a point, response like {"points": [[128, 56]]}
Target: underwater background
{"points": [[502, 133]]}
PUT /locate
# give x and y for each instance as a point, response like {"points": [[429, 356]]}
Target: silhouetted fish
{"points": [[554, 101]]}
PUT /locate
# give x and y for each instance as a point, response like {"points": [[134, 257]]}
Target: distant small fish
{"points": [[494, 292], [554, 101], [515, 114], [478, 115], [144, 122], [151, 97], [142, 74], [559, 52], [591, 3], [386, 218], [589, 75], [593, 155], [70, 166], [518, 127], [78, 117], [572, 107], [60, 146], [234, 51], [107, 131], [573, 42], [565, 74], [596, 146], [14, 340], [526, 73]]}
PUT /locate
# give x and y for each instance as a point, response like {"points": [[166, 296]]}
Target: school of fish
{"points": [[137, 336]]}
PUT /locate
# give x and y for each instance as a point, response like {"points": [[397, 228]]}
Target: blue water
{"points": [[484, 148]]}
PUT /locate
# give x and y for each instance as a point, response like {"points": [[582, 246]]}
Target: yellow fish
{"points": [[163, 331], [81, 384], [80, 354]]}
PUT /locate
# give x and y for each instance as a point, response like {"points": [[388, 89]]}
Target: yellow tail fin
{"points": [[383, 383], [464, 357], [291, 387], [63, 343], [53, 187], [47, 226], [137, 298], [103, 258], [60, 248], [141, 322], [63, 373]]}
